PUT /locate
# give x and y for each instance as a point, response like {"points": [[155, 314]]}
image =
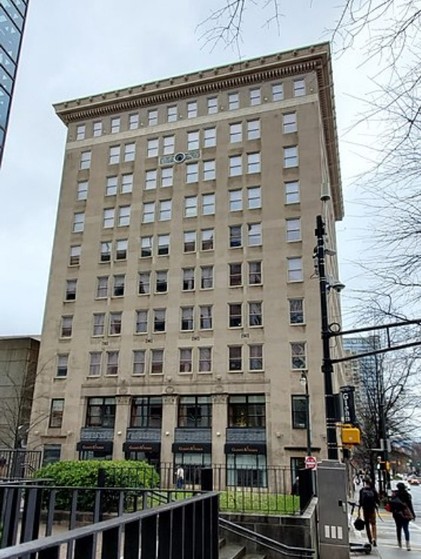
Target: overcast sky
{"points": [[73, 49]]}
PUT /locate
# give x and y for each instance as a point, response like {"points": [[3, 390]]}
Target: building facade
{"points": [[183, 301], [12, 24]]}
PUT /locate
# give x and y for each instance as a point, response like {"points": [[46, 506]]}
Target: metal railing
{"points": [[181, 530], [19, 463]]}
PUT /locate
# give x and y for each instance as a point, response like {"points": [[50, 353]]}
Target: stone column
{"points": [[219, 426], [121, 424]]}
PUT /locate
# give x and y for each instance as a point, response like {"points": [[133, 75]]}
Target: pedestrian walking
{"points": [[403, 512], [179, 475], [357, 483], [369, 502]]}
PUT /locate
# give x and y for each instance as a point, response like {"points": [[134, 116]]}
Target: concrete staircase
{"points": [[236, 551]]}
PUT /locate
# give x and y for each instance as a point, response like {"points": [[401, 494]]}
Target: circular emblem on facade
{"points": [[169, 389], [179, 157]]}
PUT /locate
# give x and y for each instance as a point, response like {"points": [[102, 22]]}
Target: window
{"points": [[78, 222], [254, 231], [115, 125], [146, 412], [138, 363], [209, 137], [141, 321], [290, 157], [235, 200], [123, 216], [295, 269], [193, 140], [235, 315], [100, 412], [144, 285], [236, 134], [207, 239], [134, 121], [186, 365], [255, 314], [166, 176], [172, 113], [255, 273], [298, 355], [235, 166], [121, 249], [256, 357], [235, 236], [71, 290], [192, 109], [105, 251], [62, 365], [66, 326], [82, 190], [254, 197], [118, 285], [74, 258], [111, 186], [102, 287], [299, 412], [56, 412], [235, 358], [235, 277], [299, 87], [152, 117], [289, 123], [206, 317], [165, 210], [205, 359], [108, 218], [247, 411], [168, 145], [145, 247], [208, 204], [277, 92], [255, 97], [189, 241], [148, 212], [195, 412], [157, 361], [85, 160], [127, 183], [212, 105], [253, 163], [161, 284], [163, 245], [296, 311], [97, 129], [233, 101], [152, 147], [150, 179], [115, 323], [292, 192], [114, 155], [95, 363], [159, 320], [192, 172], [187, 318], [293, 229], [188, 279], [129, 152], [99, 324], [253, 129], [206, 277], [209, 170], [190, 206]]}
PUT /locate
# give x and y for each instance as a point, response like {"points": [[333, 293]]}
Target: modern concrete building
{"points": [[183, 302], [12, 24]]}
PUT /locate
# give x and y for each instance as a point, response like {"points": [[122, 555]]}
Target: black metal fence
{"points": [[19, 463]]}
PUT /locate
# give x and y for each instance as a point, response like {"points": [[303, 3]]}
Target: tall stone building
{"points": [[183, 302]]}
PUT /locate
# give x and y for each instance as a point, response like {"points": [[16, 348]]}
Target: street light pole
{"points": [[327, 365], [304, 381]]}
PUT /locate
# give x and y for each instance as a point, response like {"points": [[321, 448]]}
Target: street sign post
{"points": [[310, 463]]}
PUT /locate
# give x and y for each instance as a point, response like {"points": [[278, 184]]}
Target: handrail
{"points": [[264, 541]]}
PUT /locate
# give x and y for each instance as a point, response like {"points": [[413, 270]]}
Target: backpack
{"points": [[368, 498]]}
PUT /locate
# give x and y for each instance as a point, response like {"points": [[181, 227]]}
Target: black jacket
{"points": [[399, 500]]}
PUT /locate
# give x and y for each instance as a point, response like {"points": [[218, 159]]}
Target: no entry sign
{"points": [[310, 463]]}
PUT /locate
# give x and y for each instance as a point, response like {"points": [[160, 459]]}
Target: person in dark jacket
{"points": [[369, 502], [400, 502]]}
